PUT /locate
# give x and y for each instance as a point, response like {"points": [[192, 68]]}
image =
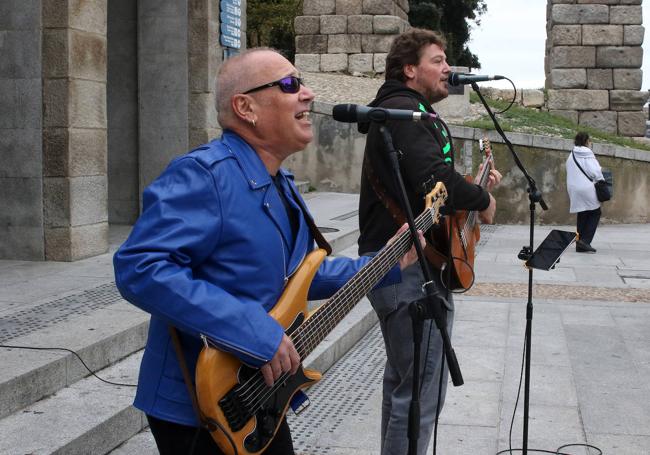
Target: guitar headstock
{"points": [[485, 147], [435, 199]]}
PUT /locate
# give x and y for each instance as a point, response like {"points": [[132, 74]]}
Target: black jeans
{"points": [[176, 439], [587, 224]]}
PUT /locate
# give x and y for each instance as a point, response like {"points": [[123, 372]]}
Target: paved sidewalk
{"points": [[590, 374]]}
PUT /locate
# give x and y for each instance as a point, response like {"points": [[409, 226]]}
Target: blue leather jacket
{"points": [[210, 255]]}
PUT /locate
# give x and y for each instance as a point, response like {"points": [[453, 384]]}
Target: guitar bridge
{"points": [[236, 413]]}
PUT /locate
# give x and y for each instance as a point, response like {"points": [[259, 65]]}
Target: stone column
{"points": [[204, 58], [21, 171], [351, 36], [74, 129], [593, 64]]}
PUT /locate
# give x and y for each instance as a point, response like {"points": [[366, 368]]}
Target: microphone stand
{"points": [[534, 196], [432, 306]]}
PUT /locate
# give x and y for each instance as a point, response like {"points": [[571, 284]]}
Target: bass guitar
{"points": [[240, 410], [465, 231]]}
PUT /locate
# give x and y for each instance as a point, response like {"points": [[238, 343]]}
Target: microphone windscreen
{"points": [[345, 113]]}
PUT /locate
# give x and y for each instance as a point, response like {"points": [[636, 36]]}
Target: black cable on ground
{"points": [[510, 450], [34, 348]]}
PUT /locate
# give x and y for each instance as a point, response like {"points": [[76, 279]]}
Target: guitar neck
{"points": [[328, 315], [473, 215]]}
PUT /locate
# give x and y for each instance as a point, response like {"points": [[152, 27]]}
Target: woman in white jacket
{"points": [[582, 192]]}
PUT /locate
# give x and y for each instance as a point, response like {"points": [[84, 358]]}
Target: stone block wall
{"points": [[74, 129], [21, 186], [349, 36], [593, 63]]}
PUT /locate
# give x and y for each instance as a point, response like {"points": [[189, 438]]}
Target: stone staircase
{"points": [[49, 404]]}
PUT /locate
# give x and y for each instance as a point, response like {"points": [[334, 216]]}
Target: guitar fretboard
{"points": [[328, 315]]}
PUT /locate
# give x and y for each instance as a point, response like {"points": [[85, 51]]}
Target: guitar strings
{"points": [[256, 385]]}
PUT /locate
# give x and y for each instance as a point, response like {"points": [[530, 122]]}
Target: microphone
{"points": [[462, 78], [353, 113]]}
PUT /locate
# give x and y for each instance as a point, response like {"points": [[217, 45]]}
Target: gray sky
{"points": [[510, 42]]}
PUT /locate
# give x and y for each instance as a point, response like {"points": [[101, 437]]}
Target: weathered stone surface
{"points": [[602, 35], [532, 98], [54, 13], [568, 78], [580, 14], [573, 99], [376, 43], [360, 63], [628, 79], [202, 110], [379, 7], [573, 57], [87, 104], [332, 25], [601, 120], [87, 56], [590, 2], [627, 100], [308, 62], [71, 152], [306, 25], [311, 44], [56, 201], [619, 57], [76, 242], [360, 24], [334, 62], [55, 103], [385, 25], [350, 44], [567, 35], [633, 35], [598, 79], [631, 123], [349, 7], [89, 16], [55, 52], [631, 15], [630, 2], [570, 115], [318, 7], [379, 62]]}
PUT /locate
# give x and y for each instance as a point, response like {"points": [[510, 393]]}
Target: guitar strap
{"points": [[318, 237], [203, 422], [435, 257]]}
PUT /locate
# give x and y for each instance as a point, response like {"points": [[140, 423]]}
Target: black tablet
{"points": [[549, 251]]}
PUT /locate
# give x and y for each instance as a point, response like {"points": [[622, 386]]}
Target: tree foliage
{"points": [[451, 18], [270, 23]]}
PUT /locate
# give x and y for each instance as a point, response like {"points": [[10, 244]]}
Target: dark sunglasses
{"points": [[289, 84]]}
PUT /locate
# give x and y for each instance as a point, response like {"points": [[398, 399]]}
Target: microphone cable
{"points": [[35, 348], [514, 98]]}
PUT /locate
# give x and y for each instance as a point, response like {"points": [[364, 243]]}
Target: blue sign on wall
{"points": [[230, 17], [229, 41], [228, 6]]}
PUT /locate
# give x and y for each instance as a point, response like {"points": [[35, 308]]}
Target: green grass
{"points": [[524, 120]]}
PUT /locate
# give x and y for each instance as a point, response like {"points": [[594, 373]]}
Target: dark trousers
{"points": [[176, 439], [587, 224]]}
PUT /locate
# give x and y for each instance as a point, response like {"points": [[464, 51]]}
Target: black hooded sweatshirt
{"points": [[425, 156]]}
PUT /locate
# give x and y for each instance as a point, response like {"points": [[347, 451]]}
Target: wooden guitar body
{"points": [[463, 245], [220, 377]]}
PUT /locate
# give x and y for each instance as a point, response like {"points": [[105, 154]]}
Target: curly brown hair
{"points": [[407, 50]]}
